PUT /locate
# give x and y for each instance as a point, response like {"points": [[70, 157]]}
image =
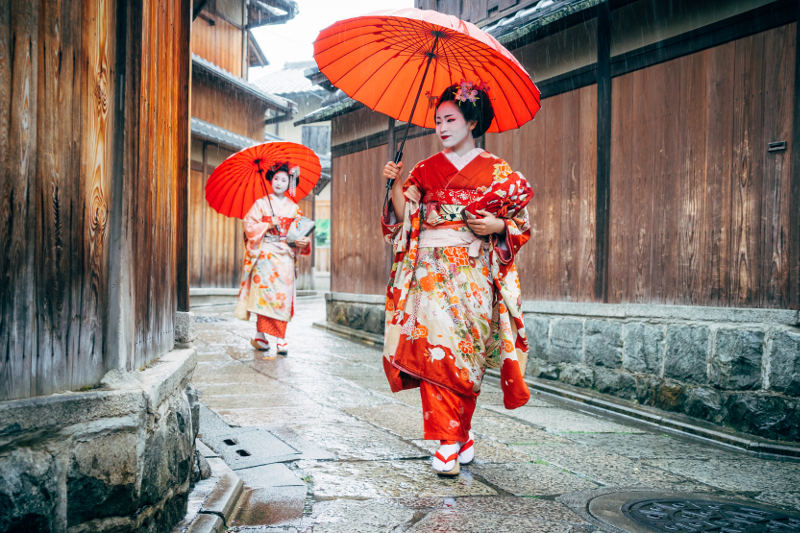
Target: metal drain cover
{"points": [[650, 512], [243, 447], [695, 515]]}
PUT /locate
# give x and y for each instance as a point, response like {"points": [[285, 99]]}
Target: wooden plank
{"points": [[568, 118], [57, 197], [221, 43], [794, 188], [747, 127], [181, 24], [696, 231], [719, 94], [778, 91], [17, 341], [624, 143], [551, 227], [586, 136]]}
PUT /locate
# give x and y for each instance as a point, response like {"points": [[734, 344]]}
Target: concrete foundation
{"points": [[115, 458]]}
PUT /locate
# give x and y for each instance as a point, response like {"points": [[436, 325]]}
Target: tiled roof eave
{"points": [[212, 132], [508, 30], [328, 112], [201, 65]]}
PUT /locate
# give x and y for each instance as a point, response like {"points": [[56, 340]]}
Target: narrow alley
{"points": [[340, 452]]}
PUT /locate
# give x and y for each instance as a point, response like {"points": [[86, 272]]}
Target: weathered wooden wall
{"points": [[228, 109], [56, 129], [156, 128], [700, 210], [474, 10], [221, 43], [557, 154], [85, 184], [215, 241]]}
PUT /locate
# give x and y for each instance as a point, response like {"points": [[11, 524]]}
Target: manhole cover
{"points": [[694, 515], [640, 512]]}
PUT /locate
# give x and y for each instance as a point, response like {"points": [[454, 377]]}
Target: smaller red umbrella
{"points": [[241, 179]]}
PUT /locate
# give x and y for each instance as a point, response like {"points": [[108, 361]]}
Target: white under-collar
{"points": [[460, 161]]}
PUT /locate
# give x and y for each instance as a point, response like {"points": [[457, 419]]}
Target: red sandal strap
{"points": [[467, 445], [445, 461]]}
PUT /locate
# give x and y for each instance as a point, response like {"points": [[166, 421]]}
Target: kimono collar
{"points": [[460, 161]]}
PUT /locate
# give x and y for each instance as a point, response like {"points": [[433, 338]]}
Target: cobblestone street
{"points": [[361, 464]]}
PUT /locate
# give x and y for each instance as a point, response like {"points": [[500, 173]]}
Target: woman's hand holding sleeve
{"points": [[486, 225]]}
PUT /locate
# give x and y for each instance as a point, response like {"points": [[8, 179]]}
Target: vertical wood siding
{"points": [[557, 154], [700, 211], [56, 134], [221, 43], [215, 241], [360, 260], [84, 157], [227, 109], [156, 148]]}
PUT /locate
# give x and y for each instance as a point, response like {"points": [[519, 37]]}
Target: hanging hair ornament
{"points": [[468, 91], [294, 175]]}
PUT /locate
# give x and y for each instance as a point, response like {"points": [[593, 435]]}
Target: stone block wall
{"points": [[738, 368], [117, 458], [734, 367], [362, 312]]}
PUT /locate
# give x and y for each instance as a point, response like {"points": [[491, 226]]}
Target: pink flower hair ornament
{"points": [[468, 91]]}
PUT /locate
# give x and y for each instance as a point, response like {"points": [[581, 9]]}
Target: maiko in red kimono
{"points": [[453, 304]]}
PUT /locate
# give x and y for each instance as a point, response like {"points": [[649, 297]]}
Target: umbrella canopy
{"points": [[240, 180], [382, 60]]}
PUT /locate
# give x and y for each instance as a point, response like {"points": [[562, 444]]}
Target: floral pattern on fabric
{"points": [[267, 287], [449, 315]]}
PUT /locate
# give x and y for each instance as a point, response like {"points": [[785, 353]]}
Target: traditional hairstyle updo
{"points": [[479, 110], [277, 167]]}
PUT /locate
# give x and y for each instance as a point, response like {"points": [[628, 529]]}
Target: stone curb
{"points": [[216, 512], [708, 433], [350, 333], [616, 407]]}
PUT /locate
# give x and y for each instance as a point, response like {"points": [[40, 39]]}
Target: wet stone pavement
{"points": [[362, 466]]}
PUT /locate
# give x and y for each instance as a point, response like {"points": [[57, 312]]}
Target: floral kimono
{"points": [[453, 303], [268, 275]]}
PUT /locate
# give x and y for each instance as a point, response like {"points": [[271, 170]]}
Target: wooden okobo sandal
{"points": [[444, 461], [467, 452]]}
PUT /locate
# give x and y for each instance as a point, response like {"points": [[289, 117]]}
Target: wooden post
{"points": [[603, 150], [184, 69], [794, 203]]}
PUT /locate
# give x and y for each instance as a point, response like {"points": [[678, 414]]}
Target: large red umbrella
{"points": [[240, 180], [387, 59]]}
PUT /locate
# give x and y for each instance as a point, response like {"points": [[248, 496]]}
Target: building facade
{"points": [[663, 269]]}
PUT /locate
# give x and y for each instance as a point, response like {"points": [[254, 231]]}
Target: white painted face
{"points": [[451, 127], [280, 182]]}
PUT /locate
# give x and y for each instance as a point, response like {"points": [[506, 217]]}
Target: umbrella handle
{"points": [[399, 154]]}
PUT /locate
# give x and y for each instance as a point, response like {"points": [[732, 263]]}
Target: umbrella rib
{"points": [[361, 86], [397, 73]]}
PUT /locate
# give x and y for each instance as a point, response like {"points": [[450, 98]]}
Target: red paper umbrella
{"points": [[386, 60], [240, 180]]}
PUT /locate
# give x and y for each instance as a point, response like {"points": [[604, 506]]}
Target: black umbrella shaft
{"points": [[399, 155]]}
